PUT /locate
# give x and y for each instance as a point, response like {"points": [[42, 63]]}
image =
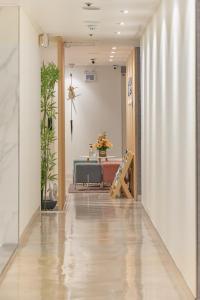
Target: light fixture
{"points": [[44, 40], [118, 32], [110, 60], [124, 11], [113, 52], [111, 56], [114, 48], [121, 24]]}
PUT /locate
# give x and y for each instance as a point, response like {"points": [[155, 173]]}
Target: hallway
{"points": [[98, 249]]}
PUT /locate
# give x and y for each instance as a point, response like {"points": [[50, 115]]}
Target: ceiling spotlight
{"points": [[111, 56], [90, 6], [124, 11], [113, 52], [114, 48], [110, 60], [121, 24], [118, 32]]}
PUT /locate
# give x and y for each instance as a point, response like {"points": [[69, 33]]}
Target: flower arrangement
{"points": [[102, 143]]}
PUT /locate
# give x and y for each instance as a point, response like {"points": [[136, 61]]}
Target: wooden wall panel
{"points": [[61, 123], [138, 120], [198, 139], [129, 106], [133, 127]]}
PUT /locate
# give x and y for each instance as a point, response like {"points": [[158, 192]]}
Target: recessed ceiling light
{"points": [[113, 52], [118, 32], [124, 11], [111, 56], [110, 60], [121, 23], [114, 48]]}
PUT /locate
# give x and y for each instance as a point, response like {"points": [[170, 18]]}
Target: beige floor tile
{"points": [[98, 249]]}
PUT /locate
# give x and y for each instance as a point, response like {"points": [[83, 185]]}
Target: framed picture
{"points": [[130, 86]]}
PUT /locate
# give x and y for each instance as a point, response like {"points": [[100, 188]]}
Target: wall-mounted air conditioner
{"points": [[90, 76]]}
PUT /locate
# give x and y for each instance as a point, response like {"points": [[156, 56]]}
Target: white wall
{"points": [[168, 130], [98, 110], [29, 121]]}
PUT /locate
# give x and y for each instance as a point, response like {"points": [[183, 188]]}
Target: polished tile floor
{"points": [[99, 249]]}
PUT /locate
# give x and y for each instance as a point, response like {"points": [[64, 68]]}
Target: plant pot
{"points": [[102, 153], [48, 204]]}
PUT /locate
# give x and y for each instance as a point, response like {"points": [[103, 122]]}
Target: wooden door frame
{"points": [[138, 121], [133, 119], [198, 142], [61, 122]]}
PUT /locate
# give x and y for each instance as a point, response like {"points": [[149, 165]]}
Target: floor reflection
{"points": [[99, 249]]}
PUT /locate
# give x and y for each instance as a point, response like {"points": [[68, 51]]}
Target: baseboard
{"points": [[7, 266], [22, 240], [164, 246], [29, 226]]}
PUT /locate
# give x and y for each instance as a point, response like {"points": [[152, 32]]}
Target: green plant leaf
{"points": [[49, 78]]}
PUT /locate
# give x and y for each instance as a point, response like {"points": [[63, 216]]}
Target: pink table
{"points": [[109, 170]]}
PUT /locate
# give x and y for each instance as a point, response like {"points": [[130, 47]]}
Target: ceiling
{"points": [[68, 19], [83, 53]]}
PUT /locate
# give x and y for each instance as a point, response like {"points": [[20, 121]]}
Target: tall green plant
{"points": [[49, 77]]}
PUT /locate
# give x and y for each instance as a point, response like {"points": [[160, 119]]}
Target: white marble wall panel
{"points": [[169, 130], [9, 102]]}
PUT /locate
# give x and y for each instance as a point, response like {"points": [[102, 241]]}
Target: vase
{"points": [[102, 153], [48, 204]]}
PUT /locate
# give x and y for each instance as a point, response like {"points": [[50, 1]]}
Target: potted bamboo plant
{"points": [[49, 77]]}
